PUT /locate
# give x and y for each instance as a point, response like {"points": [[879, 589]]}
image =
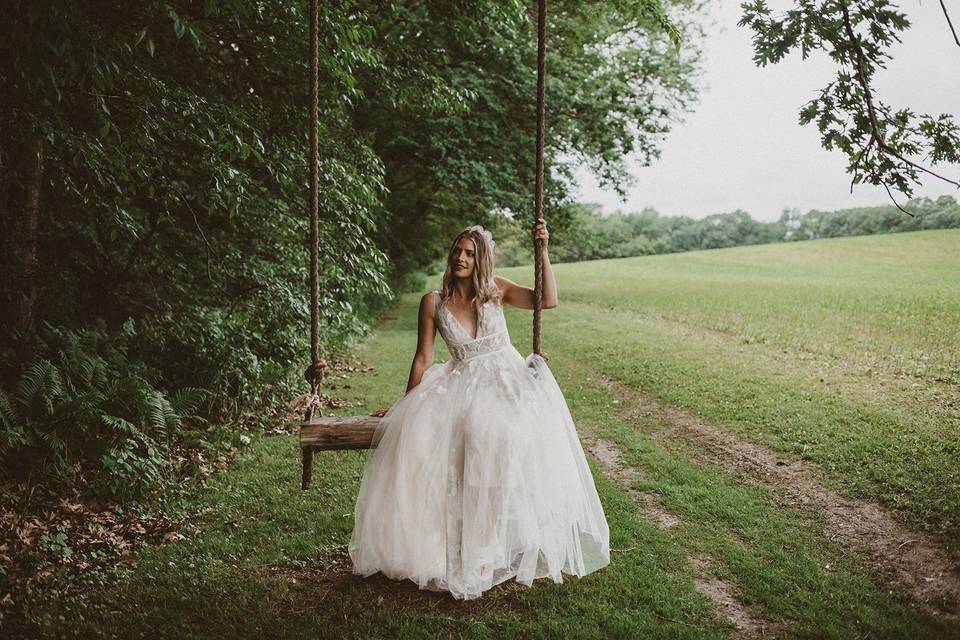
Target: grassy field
{"points": [[844, 351], [840, 352]]}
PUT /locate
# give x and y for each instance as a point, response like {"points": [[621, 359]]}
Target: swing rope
{"points": [[314, 189], [314, 373], [538, 185]]}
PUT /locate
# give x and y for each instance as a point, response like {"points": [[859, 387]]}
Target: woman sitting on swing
{"points": [[478, 475]]}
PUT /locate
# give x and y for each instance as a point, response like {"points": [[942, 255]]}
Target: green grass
{"points": [[888, 302], [722, 333]]}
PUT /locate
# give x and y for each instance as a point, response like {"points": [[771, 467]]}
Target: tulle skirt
{"points": [[478, 476]]}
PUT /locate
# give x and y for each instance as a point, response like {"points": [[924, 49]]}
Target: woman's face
{"points": [[464, 258]]}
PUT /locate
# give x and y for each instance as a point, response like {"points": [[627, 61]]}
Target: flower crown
{"points": [[485, 233]]}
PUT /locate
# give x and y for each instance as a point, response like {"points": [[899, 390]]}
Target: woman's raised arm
{"points": [[523, 297]]}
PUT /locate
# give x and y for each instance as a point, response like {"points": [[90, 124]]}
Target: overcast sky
{"points": [[743, 148]]}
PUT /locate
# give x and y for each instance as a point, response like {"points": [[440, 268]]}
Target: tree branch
{"points": [[894, 201], [875, 132], [949, 24], [210, 250]]}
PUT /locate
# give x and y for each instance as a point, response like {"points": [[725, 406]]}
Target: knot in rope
{"points": [[315, 373]]}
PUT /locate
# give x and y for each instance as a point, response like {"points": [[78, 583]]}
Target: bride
{"points": [[478, 475]]}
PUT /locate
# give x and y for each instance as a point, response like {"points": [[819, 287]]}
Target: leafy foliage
{"points": [[92, 402], [614, 84], [885, 146]]}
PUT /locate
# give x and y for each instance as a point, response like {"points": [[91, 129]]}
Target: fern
{"points": [[52, 390], [185, 402], [8, 415], [11, 432], [163, 419], [90, 369], [41, 380], [52, 440], [84, 400], [119, 425]]}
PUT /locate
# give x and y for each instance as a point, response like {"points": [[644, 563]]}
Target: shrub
{"points": [[84, 401]]}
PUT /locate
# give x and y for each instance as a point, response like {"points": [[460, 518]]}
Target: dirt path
{"points": [[723, 594], [917, 561]]}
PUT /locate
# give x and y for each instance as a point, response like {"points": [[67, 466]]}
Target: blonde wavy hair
{"points": [[484, 285]]}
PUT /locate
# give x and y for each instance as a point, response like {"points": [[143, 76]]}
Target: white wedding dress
{"points": [[478, 475]]}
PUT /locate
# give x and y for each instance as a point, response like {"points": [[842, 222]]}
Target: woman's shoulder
{"points": [[430, 299]]}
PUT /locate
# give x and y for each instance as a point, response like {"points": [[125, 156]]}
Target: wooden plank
{"points": [[326, 433]]}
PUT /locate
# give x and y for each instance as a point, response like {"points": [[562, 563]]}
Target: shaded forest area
{"points": [[153, 195], [591, 235]]}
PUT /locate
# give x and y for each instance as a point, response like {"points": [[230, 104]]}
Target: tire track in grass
{"points": [[727, 601], [609, 456], [722, 593], [915, 560]]}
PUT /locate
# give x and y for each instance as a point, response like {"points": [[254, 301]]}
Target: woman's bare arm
{"points": [[426, 341], [523, 297]]}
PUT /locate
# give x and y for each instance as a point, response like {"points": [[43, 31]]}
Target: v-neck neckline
{"points": [[460, 324]]}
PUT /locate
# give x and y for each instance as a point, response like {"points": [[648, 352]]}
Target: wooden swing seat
{"points": [[327, 433], [332, 433]]}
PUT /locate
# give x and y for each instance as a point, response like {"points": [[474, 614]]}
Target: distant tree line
{"points": [[592, 235]]}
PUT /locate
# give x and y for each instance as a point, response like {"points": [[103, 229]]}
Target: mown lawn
{"points": [[840, 351]]}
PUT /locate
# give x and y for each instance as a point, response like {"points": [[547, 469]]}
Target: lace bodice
{"points": [[491, 330]]}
